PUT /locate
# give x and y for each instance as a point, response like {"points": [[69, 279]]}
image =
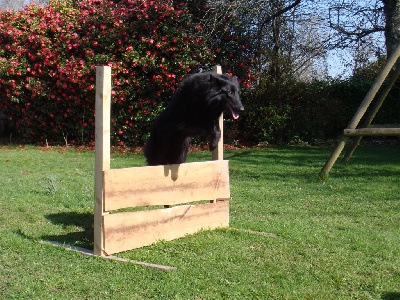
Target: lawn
{"points": [[291, 236]]}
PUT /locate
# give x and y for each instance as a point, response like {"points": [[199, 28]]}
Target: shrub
{"points": [[300, 112], [48, 57]]}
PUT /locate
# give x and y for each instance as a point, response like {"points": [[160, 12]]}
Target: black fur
{"points": [[193, 112]]}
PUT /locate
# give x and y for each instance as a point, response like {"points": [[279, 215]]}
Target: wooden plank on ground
{"points": [[130, 230], [87, 252], [166, 185], [372, 132]]}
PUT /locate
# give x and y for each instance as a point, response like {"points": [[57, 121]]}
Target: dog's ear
{"points": [[216, 79], [212, 78]]}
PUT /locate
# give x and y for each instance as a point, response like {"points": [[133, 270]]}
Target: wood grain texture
{"points": [[218, 153], [102, 153], [166, 185], [372, 132], [130, 230]]}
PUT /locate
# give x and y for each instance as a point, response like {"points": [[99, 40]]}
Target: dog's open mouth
{"points": [[234, 112], [235, 115]]}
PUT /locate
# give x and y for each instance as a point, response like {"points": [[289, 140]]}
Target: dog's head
{"points": [[224, 91]]}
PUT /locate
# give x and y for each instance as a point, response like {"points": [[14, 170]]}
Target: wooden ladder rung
{"points": [[372, 132]]}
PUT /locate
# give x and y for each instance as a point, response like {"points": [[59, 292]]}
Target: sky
{"points": [[336, 64]]}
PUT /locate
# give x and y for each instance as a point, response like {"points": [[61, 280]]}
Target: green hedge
{"points": [[311, 112], [48, 57]]}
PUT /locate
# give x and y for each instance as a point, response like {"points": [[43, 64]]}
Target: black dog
{"points": [[193, 112]]}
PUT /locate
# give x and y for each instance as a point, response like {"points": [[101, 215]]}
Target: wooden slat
{"points": [[384, 126], [130, 230], [372, 132], [166, 185]]}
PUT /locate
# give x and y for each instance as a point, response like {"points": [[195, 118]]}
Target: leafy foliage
{"points": [[48, 57], [311, 112], [49, 54]]}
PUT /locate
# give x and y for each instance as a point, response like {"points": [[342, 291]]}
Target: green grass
{"points": [[334, 240]]}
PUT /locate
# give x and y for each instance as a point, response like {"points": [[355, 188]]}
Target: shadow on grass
{"points": [[368, 161], [297, 155], [82, 238], [390, 296]]}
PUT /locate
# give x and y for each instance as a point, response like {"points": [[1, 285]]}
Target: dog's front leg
{"points": [[214, 136]]}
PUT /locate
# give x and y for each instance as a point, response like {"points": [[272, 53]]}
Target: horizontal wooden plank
{"points": [[372, 132], [130, 230], [384, 126], [166, 185]]}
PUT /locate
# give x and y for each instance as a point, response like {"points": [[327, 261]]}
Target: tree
{"points": [[392, 27], [284, 35], [363, 22]]}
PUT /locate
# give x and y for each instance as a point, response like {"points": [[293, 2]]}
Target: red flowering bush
{"points": [[48, 57]]}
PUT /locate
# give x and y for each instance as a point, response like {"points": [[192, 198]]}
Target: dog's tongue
{"points": [[235, 115]]}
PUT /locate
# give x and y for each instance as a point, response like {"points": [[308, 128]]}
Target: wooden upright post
{"points": [[218, 153], [102, 148]]}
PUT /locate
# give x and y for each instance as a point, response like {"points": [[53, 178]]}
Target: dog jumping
{"points": [[193, 111]]}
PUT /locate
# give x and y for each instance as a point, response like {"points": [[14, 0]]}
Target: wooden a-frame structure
{"points": [[391, 72]]}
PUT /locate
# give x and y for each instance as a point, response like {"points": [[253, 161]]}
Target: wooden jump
{"points": [[150, 189]]}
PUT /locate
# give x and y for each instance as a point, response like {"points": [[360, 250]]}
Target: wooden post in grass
{"points": [[102, 148], [218, 153]]}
